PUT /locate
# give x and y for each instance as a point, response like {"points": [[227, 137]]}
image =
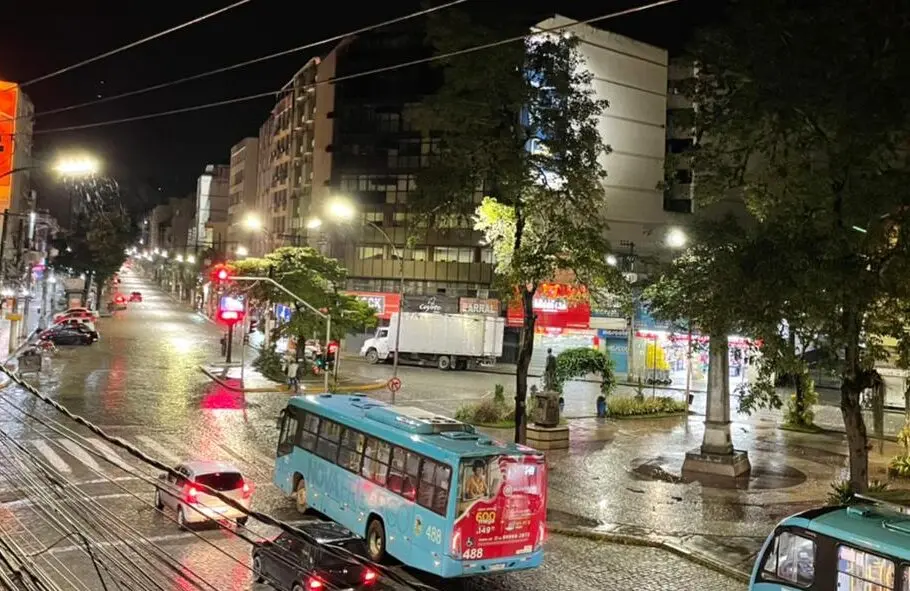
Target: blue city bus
{"points": [[428, 490], [864, 547]]}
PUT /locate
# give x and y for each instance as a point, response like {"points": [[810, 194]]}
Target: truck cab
{"points": [[376, 349]]}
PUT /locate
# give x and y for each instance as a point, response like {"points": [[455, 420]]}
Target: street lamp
{"points": [[241, 251], [253, 222], [676, 238], [190, 259], [77, 166], [342, 210], [612, 260]]}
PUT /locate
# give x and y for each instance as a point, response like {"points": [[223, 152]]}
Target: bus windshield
{"points": [[501, 505]]}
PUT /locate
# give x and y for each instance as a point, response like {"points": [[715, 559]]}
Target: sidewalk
{"points": [[32, 323], [621, 481]]}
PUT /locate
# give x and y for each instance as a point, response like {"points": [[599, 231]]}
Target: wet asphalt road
{"points": [[141, 383]]}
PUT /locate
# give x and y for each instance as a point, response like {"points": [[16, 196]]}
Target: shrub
{"points": [[486, 412], [270, 366], [499, 394], [799, 412], [843, 493], [628, 407]]}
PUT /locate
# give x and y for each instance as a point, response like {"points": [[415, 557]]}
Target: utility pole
{"points": [[230, 342]]}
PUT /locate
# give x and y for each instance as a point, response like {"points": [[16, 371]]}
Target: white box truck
{"points": [[448, 341]]}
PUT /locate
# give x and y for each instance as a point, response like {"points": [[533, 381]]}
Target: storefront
{"points": [[385, 304]]}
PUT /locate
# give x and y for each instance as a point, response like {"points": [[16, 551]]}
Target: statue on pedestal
{"points": [[549, 373]]}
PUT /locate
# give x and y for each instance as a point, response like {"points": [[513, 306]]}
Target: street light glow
{"points": [[190, 259], [341, 209], [242, 251], [611, 260], [77, 166], [676, 238], [313, 223], [252, 222], [179, 258]]}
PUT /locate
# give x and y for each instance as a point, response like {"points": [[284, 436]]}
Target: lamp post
{"points": [[677, 239], [342, 210]]}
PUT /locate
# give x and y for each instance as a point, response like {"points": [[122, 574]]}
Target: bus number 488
{"points": [[473, 553]]}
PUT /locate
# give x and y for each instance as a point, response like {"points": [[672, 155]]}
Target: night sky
{"points": [[170, 152]]}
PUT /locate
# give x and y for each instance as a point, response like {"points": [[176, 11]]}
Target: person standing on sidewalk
{"points": [[292, 368]]}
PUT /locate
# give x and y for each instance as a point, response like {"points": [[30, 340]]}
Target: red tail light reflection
{"points": [[314, 584], [191, 495], [369, 576]]}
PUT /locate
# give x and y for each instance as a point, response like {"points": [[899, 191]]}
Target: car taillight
{"points": [[247, 491], [314, 584], [369, 576], [191, 495]]}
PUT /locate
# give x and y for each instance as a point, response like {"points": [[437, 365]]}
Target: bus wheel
{"points": [[376, 540], [300, 496]]}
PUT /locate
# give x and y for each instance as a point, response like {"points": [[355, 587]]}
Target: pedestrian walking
{"points": [[292, 368]]}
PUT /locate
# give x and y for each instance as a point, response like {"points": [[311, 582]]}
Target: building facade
{"points": [[209, 229], [242, 192], [633, 77]]}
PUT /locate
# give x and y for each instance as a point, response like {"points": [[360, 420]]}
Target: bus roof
{"points": [[437, 436], [872, 527]]}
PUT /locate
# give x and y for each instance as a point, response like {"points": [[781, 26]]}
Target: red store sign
{"points": [[557, 305], [385, 304]]}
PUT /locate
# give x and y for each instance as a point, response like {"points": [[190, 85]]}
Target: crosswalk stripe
{"points": [[159, 449], [79, 453], [109, 453], [51, 456]]}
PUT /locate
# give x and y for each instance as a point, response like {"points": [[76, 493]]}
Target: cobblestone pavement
{"points": [[583, 565]]}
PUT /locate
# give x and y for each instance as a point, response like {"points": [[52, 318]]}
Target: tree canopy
{"points": [[316, 279], [802, 118], [520, 155]]}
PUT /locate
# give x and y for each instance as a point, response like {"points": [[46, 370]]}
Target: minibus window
{"points": [[862, 571], [791, 558]]}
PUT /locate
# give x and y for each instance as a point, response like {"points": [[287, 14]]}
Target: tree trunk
{"points": [[525, 350], [854, 380]]}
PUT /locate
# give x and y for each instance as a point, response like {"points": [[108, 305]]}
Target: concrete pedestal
{"points": [[547, 438], [730, 465]]}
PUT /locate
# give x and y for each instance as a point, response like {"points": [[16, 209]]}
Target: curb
{"points": [[284, 388], [672, 547]]}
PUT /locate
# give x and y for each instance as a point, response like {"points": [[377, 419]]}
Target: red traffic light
{"points": [[222, 275]]}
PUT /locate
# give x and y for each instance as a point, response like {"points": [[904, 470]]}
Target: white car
{"points": [[76, 312], [188, 496]]}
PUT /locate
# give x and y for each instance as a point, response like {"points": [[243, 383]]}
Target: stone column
{"points": [[716, 455]]}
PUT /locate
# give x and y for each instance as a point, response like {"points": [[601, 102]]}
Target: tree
{"points": [[520, 154], [802, 115], [99, 234], [316, 279]]}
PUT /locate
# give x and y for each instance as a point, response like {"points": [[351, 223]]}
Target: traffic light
{"points": [[220, 274]]}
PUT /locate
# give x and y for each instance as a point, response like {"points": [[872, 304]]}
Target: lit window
{"points": [[370, 252]]}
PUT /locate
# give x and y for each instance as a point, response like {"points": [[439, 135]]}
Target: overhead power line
{"points": [[257, 60], [366, 73], [137, 43]]}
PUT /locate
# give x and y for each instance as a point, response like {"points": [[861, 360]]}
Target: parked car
{"points": [[62, 334], [135, 297], [187, 494], [77, 311], [317, 568], [88, 321]]}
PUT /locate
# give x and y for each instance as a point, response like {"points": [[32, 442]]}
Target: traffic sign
{"points": [[394, 385]]}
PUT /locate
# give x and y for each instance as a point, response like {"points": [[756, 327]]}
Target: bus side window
{"points": [[375, 461], [288, 436], [791, 558], [309, 432], [905, 585]]}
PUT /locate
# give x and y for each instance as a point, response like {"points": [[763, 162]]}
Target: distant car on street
{"points": [[317, 567], [135, 297], [188, 494], [63, 334], [118, 302]]}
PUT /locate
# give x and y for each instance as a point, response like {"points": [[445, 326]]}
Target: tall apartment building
{"points": [[633, 77], [209, 229], [679, 188], [242, 191]]}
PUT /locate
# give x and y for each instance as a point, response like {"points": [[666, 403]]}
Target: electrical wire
{"points": [[237, 66], [287, 557], [90, 504], [372, 72], [137, 43]]}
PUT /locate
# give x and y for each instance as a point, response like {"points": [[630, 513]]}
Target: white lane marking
{"points": [[109, 453], [51, 456], [153, 539], [18, 503], [159, 449], [79, 453]]}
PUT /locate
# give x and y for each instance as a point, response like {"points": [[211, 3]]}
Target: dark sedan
{"points": [[289, 562], [69, 335]]}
